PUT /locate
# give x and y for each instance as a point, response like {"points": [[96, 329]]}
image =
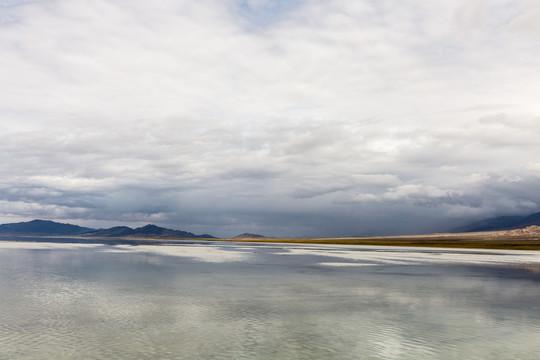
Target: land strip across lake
{"points": [[519, 239], [480, 240]]}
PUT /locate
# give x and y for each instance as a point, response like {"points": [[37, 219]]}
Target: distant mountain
{"points": [[533, 230], [502, 223], [148, 231], [51, 228], [112, 232], [42, 228], [250, 236]]}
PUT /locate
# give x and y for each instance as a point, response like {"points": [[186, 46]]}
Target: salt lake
{"points": [[221, 300]]}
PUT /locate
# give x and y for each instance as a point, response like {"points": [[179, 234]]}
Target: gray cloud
{"points": [[319, 118]]}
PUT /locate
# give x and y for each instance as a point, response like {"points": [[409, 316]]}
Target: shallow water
{"points": [[271, 301]]}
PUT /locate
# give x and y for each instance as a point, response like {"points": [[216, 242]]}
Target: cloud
{"points": [[300, 119]]}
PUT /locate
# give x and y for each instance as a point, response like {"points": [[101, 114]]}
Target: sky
{"points": [[284, 118]]}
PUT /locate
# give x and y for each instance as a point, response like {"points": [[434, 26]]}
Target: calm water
{"points": [[221, 301]]}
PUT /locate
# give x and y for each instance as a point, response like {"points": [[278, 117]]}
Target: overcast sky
{"points": [[286, 118]]}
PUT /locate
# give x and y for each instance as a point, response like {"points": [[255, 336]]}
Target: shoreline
{"points": [[480, 240], [505, 244], [477, 240]]}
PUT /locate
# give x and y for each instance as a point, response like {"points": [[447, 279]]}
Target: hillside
{"points": [[51, 228], [42, 228], [530, 231], [250, 236], [501, 223], [147, 231]]}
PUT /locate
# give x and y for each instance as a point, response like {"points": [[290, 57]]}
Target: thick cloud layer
{"points": [[288, 118]]}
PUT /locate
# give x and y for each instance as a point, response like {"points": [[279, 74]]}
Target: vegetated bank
{"points": [[519, 239]]}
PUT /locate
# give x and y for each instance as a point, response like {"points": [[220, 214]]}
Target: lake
{"points": [[221, 300]]}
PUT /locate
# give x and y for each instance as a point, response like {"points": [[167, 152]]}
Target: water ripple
{"points": [[87, 303]]}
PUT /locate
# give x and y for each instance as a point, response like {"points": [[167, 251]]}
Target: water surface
{"points": [[270, 301]]}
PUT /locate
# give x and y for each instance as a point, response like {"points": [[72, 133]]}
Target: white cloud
{"points": [[210, 115]]}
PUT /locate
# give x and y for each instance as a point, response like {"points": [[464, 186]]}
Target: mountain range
{"points": [[51, 228], [42, 227], [247, 236], [501, 223], [146, 231]]}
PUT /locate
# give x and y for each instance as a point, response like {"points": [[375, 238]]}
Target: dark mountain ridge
{"points": [[501, 223], [51, 228], [149, 231], [43, 228], [251, 236]]}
